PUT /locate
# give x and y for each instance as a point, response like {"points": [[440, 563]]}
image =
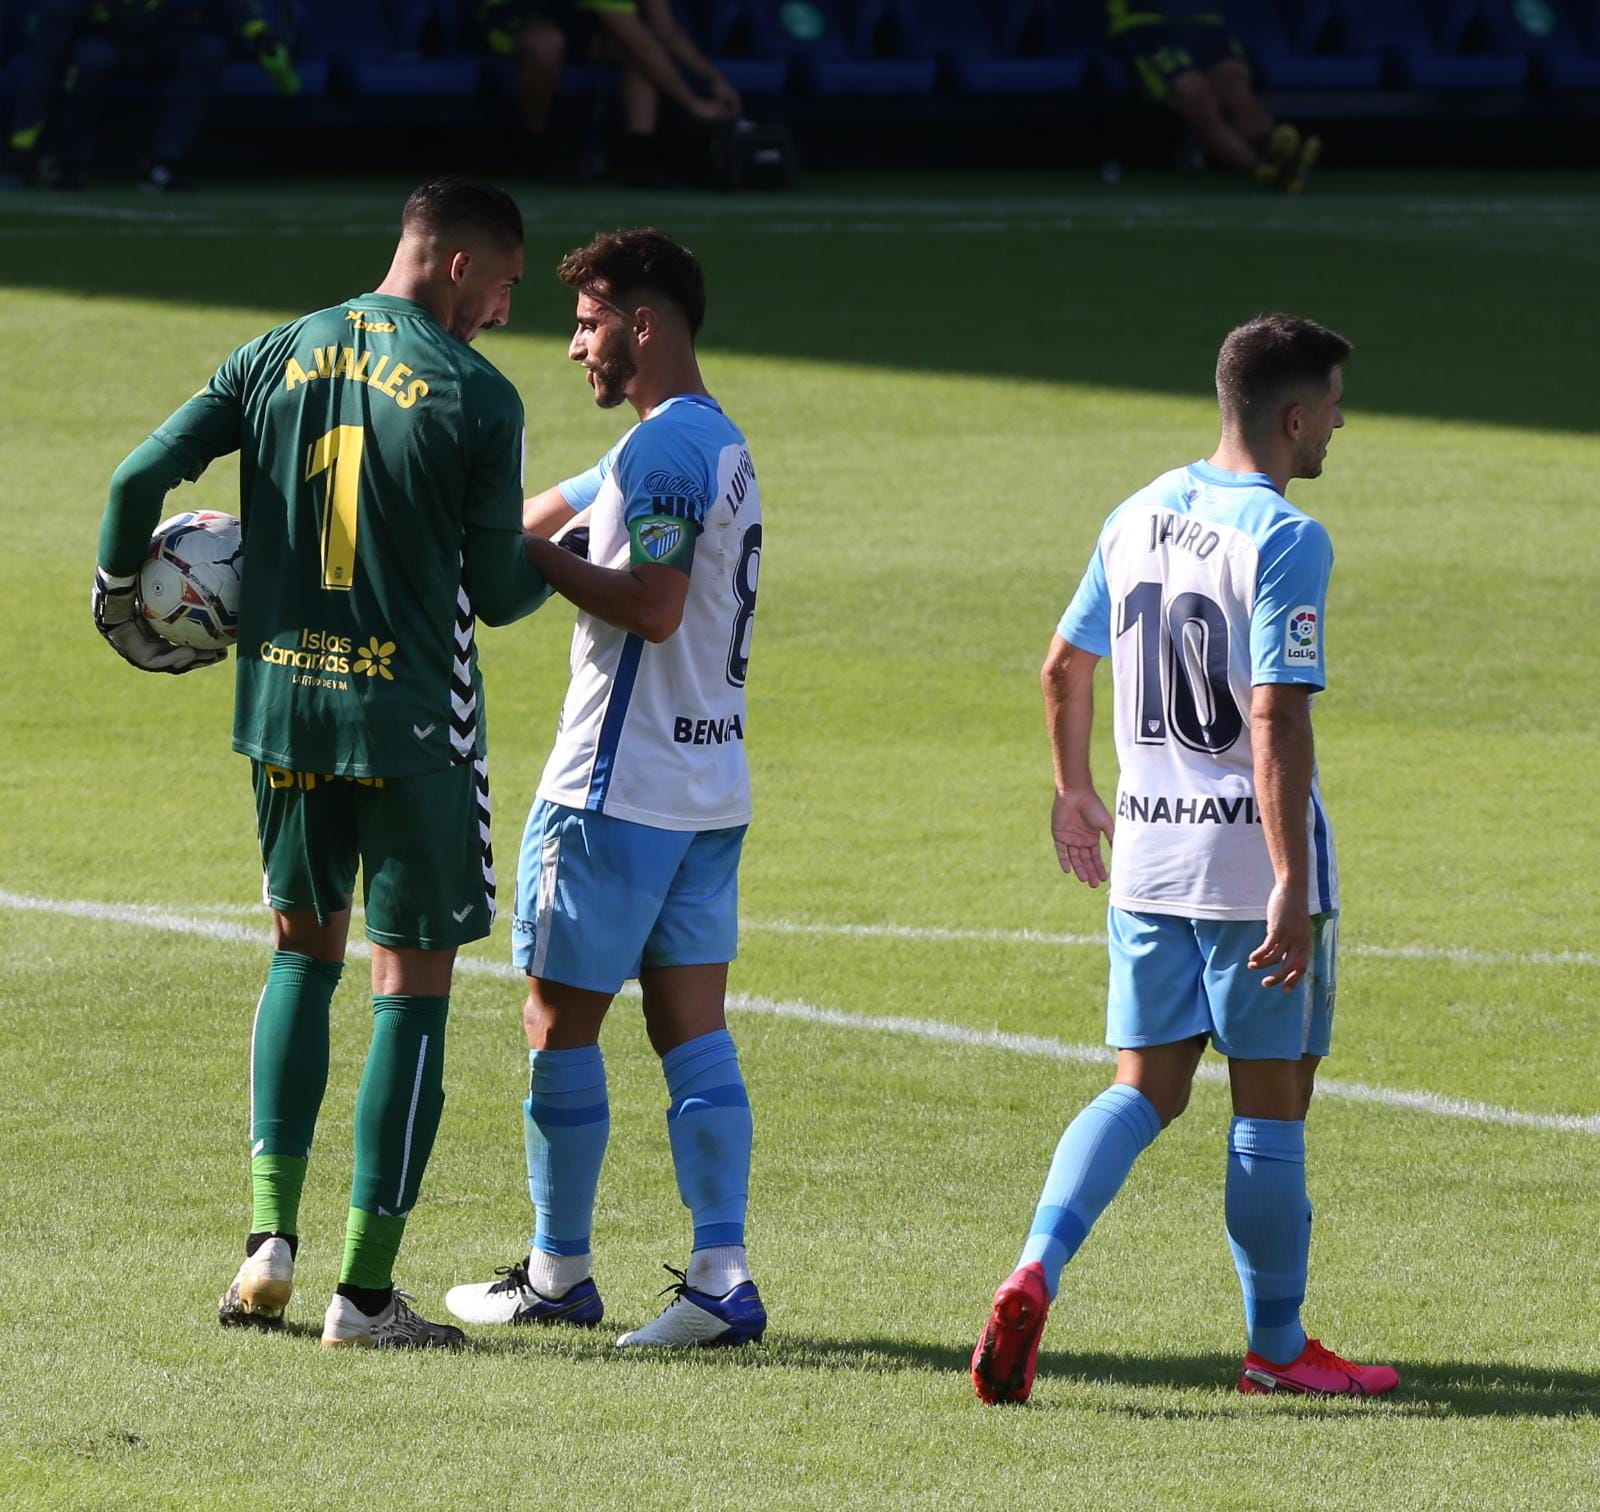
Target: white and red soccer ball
{"points": [[189, 584]]}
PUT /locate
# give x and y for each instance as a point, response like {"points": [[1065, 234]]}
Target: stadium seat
{"points": [[1067, 28], [740, 41], [1560, 60], [1309, 24], [978, 51], [836, 48], [1419, 46], [377, 51], [1285, 62]]}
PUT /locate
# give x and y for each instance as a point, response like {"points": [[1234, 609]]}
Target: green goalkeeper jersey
{"points": [[374, 447]]}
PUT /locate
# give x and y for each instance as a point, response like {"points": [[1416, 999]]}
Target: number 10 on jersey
{"points": [[338, 453]]}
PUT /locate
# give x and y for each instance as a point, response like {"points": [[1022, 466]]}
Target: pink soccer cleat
{"points": [[1008, 1348], [1317, 1372]]}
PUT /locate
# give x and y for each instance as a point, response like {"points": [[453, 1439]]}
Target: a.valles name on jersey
{"points": [[1164, 810], [703, 732], [370, 368]]}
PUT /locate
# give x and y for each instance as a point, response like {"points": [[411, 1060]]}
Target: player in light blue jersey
{"points": [[630, 858], [1208, 591]]}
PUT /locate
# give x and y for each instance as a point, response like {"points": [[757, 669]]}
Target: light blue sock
{"points": [[708, 1125], [1269, 1231], [566, 1121], [1091, 1163]]}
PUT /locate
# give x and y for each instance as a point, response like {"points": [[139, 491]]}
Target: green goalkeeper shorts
{"points": [[421, 844]]}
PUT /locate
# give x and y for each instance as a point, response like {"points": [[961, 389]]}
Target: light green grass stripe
{"points": [[1453, 955], [1432, 1103]]}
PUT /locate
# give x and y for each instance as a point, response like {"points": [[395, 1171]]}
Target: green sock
{"points": [[275, 1185], [371, 1241], [398, 1106], [289, 1054]]}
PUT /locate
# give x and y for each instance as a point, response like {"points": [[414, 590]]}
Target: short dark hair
{"points": [[1268, 360], [622, 266], [457, 203]]}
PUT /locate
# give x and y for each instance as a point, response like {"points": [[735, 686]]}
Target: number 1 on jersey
{"points": [[338, 453]]}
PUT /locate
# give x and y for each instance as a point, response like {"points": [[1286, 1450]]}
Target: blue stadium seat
{"points": [[740, 41], [833, 47], [979, 53], [376, 48], [245, 81], [1419, 44], [1281, 62], [1073, 28], [1309, 24], [1560, 60]]}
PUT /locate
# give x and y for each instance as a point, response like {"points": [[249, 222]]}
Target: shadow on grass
{"points": [[1137, 302], [1428, 1388]]}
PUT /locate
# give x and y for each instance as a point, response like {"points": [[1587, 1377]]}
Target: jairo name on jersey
{"points": [[1163, 810], [1167, 529], [706, 732], [370, 368]]}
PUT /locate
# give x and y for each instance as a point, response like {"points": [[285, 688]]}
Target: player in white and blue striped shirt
{"points": [[1208, 591], [630, 858]]}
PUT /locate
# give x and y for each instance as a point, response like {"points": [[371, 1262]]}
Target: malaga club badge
{"points": [[660, 538]]}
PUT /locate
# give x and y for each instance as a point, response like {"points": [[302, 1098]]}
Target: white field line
{"points": [[1456, 955], [1460, 955], [1431, 1103]]}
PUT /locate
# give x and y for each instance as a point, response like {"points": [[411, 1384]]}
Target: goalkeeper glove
{"points": [[117, 617], [576, 541]]}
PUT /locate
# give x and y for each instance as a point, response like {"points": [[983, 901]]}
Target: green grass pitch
{"points": [[946, 383]]}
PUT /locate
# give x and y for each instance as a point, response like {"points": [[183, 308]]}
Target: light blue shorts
{"points": [[600, 899], [1174, 978]]}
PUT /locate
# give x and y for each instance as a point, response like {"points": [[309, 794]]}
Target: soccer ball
{"points": [[189, 584]]}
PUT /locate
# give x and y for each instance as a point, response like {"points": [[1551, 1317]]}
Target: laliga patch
{"points": [[1300, 636]]}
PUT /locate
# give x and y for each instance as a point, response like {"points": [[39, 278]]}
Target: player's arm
{"points": [[1287, 666], [546, 513], [502, 584], [645, 598], [500, 581], [639, 43], [1077, 817], [1282, 751], [205, 428]]}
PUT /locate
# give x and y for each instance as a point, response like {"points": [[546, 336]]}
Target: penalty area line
{"points": [[935, 1031]]}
